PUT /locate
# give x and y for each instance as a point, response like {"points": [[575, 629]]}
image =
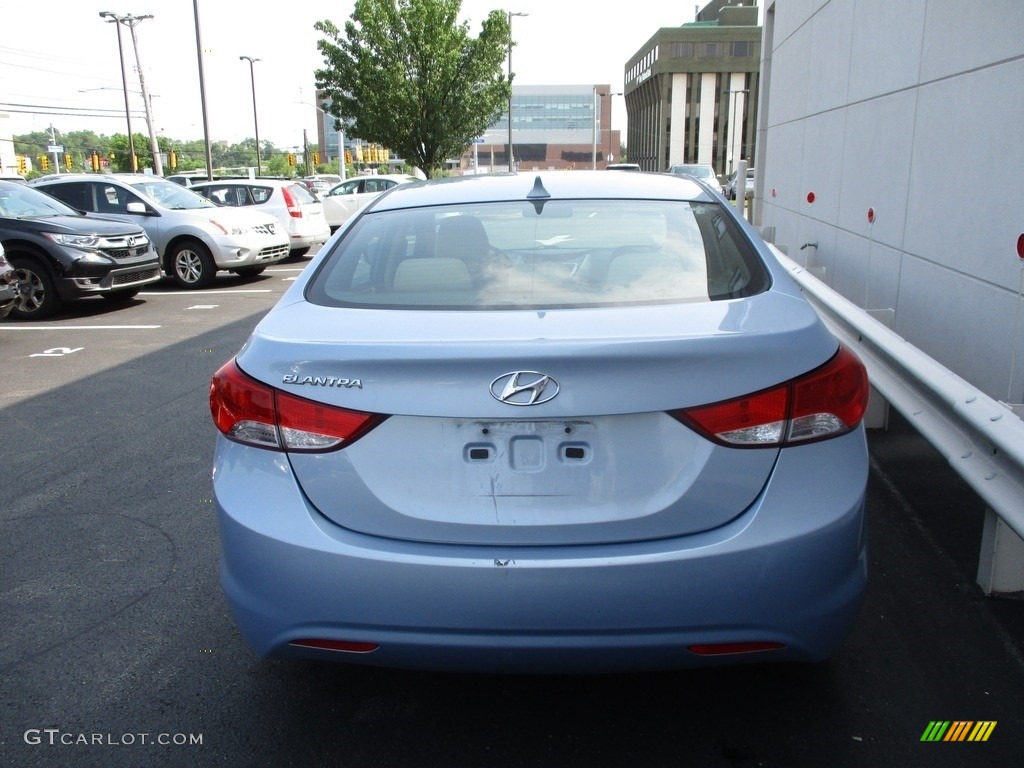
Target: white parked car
{"points": [[321, 182], [348, 197], [298, 210], [193, 237]]}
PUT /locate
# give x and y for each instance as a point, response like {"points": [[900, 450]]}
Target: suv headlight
{"points": [[233, 229], [82, 242]]}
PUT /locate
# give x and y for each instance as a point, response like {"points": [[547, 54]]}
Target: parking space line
{"points": [[78, 327], [204, 293]]}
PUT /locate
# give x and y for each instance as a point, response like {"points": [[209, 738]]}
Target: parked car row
{"points": [[110, 234]]}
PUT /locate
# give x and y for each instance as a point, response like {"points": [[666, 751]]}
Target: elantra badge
{"points": [[524, 388]]}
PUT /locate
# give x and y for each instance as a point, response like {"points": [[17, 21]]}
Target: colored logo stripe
{"points": [[958, 730], [982, 730]]}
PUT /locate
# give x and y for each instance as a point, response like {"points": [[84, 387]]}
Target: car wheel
{"points": [[191, 265], [37, 296], [121, 297], [249, 271]]}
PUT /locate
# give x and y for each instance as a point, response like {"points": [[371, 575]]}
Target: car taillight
{"points": [[827, 402], [249, 412], [294, 210]]}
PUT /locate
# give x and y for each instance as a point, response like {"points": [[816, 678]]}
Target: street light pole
{"points": [[255, 121], [112, 18], [511, 160]]}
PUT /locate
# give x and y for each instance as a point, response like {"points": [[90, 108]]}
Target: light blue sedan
{"points": [[543, 422]]}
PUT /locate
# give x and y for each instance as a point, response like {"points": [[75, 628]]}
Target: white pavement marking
{"points": [[202, 306], [205, 293], [77, 327]]}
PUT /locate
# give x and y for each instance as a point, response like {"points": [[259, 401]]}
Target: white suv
{"points": [[298, 210], [193, 237]]}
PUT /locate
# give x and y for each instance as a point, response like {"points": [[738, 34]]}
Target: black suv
{"points": [[60, 253]]}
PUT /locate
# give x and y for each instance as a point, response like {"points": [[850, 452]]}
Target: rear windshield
{"points": [[511, 255]]}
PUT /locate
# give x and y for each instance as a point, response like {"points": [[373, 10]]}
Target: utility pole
{"points": [[131, 22], [154, 148]]}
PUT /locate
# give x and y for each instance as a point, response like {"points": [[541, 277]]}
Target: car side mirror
{"points": [[139, 209]]}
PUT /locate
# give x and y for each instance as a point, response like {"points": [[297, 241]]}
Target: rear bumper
{"points": [[791, 570]]}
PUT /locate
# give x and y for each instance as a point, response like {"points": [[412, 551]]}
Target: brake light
{"points": [[291, 203], [249, 412], [827, 402]]}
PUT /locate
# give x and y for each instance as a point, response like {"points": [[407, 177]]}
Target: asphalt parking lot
{"points": [[117, 648]]}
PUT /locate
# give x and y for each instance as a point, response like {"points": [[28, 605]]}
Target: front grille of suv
{"points": [[127, 247]]}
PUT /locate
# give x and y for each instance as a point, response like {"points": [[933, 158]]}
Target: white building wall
{"points": [[706, 125], [677, 145], [914, 109]]}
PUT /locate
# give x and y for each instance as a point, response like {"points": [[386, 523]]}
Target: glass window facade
{"points": [[549, 112]]}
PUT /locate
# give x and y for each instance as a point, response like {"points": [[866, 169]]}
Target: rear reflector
{"points": [[722, 649], [345, 646], [250, 412], [826, 402]]}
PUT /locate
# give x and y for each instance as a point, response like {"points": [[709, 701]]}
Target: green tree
{"points": [[407, 76]]}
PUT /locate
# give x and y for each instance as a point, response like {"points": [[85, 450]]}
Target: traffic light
{"points": [[348, 156], [172, 160], [291, 158], [316, 158], [95, 161], [68, 162], [22, 164], [44, 162]]}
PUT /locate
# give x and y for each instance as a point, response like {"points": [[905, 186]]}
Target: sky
{"points": [[62, 57]]}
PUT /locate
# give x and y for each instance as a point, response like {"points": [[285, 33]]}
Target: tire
{"points": [[121, 297], [248, 272], [190, 264], [38, 296]]}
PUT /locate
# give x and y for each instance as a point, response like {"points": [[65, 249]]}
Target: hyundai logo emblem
{"points": [[524, 388]]}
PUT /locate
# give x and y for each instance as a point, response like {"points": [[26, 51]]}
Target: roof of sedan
{"points": [[543, 185]]}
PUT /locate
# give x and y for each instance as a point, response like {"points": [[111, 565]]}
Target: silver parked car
{"points": [[698, 171], [193, 237], [299, 211], [554, 422], [731, 184]]}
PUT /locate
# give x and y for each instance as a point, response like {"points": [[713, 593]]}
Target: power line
{"points": [[56, 111]]}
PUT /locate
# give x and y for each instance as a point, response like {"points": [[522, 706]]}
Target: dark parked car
{"points": [[8, 285], [60, 253]]}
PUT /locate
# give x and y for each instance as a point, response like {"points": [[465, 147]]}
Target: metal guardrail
{"points": [[982, 438]]}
